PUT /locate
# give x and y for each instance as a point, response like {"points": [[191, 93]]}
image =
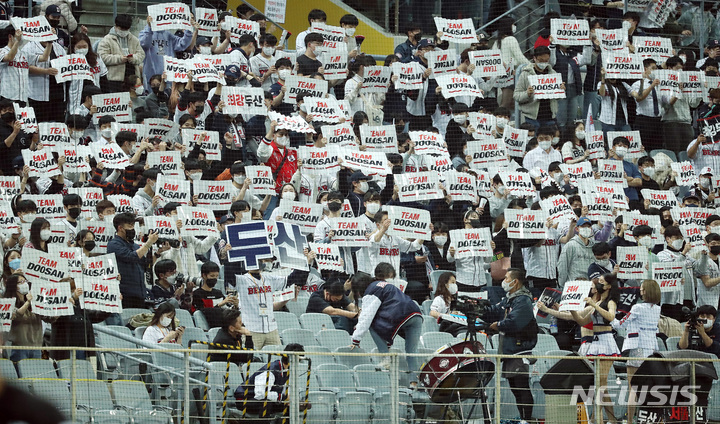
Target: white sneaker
{"points": [[385, 363]]}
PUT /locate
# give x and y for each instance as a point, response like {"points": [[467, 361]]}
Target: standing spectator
{"points": [[613, 111], [62, 12], [648, 111], [210, 300], [315, 16], [511, 53], [539, 113], [577, 255], [46, 96], [676, 250], [13, 65], [157, 45], [543, 155], [406, 51], [26, 328], [567, 62], [677, 119], [308, 63], [707, 290], [592, 76], [121, 52], [12, 138]]}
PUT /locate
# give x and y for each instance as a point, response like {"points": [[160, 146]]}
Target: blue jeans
{"points": [[412, 329], [343, 323], [594, 99], [539, 124], [19, 355]]}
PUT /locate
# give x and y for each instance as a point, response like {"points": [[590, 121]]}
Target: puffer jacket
{"points": [[111, 53], [67, 19]]}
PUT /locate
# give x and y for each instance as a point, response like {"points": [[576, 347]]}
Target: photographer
{"points": [[707, 330], [165, 289], [210, 300], [518, 333]]}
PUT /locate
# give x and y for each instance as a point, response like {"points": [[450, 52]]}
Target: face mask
{"points": [[199, 110], [130, 235], [89, 245], [621, 151], [155, 89], [651, 76], [23, 288], [140, 90], [165, 321], [109, 218], [334, 206], [45, 235], [580, 135], [646, 242], [708, 325], [585, 232], [542, 65], [8, 117], [195, 176], [466, 152], [350, 31], [715, 230], [649, 171], [559, 178], [205, 50], [82, 51], [77, 134], [246, 216], [122, 33], [268, 51], [211, 282], [325, 206], [692, 205], [555, 141], [171, 279], [501, 122], [605, 263], [513, 28], [239, 179], [282, 141], [74, 213], [284, 74], [544, 145], [715, 250], [600, 288], [678, 244], [460, 119], [475, 223], [373, 208], [507, 286], [440, 241], [363, 187], [29, 217], [288, 195], [418, 36], [452, 288], [704, 182], [15, 264], [54, 22], [501, 189], [106, 133]]}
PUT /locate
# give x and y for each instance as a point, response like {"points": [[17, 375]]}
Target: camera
{"points": [[471, 307], [184, 279], [174, 243], [691, 316]]}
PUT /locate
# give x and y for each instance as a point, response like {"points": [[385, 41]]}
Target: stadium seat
{"points": [[367, 343], [324, 407], [316, 322], [83, 369], [36, 368], [661, 344], [436, 339], [212, 333], [118, 365], [96, 395], [670, 154], [200, 320], [371, 376], [57, 392], [297, 335], [7, 369], [298, 306], [133, 397], [319, 356], [429, 324], [426, 306], [184, 317], [286, 320], [192, 334], [683, 156], [355, 403], [140, 332], [333, 339], [545, 342], [216, 379], [671, 343], [351, 361], [128, 313]]}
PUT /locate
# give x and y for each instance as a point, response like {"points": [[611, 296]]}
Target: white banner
{"points": [[340, 134], [418, 186], [26, 116], [487, 153], [169, 162], [9, 187], [377, 80], [471, 242], [164, 226], [48, 206], [243, 101], [122, 202], [460, 31], [319, 160], [461, 186], [694, 235], [72, 67], [557, 208], [574, 294], [635, 150], [526, 224], [164, 129], [515, 140], [410, 75], [175, 69], [327, 256], [428, 143], [691, 216], [633, 262], [168, 16], [103, 267], [215, 195], [7, 309], [456, 85], [441, 164], [110, 155], [659, 198], [173, 189], [41, 163], [323, 109], [348, 232], [614, 192], [112, 104], [519, 184], [409, 223], [207, 20], [660, 10], [90, 196], [291, 123], [104, 232], [595, 142], [578, 171], [262, 182], [209, 142], [692, 84], [100, 295], [204, 70], [238, 27], [34, 29], [197, 222], [484, 124], [685, 173], [442, 62], [335, 63], [669, 83], [380, 138], [296, 85], [570, 32], [668, 275], [611, 171], [658, 48], [370, 163], [75, 155], [40, 266], [488, 63], [275, 10], [304, 215], [612, 40], [623, 66], [333, 36], [51, 299], [547, 86]]}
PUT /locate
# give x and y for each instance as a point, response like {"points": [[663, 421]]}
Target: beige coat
{"points": [[528, 105], [112, 55]]}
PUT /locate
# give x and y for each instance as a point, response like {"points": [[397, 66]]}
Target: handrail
{"points": [[501, 16]]}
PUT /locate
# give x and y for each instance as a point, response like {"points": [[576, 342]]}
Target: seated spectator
{"points": [[162, 328], [234, 334], [331, 300]]}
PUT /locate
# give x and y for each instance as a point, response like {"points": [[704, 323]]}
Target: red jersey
{"points": [[289, 167]]}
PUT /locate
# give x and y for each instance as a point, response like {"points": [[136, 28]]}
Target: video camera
{"points": [[691, 316], [174, 243], [472, 307]]}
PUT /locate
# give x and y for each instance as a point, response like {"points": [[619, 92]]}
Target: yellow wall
{"points": [[376, 42]]}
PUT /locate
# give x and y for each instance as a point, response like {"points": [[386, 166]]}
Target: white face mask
{"points": [[122, 32], [452, 288], [507, 286], [139, 90], [205, 50], [649, 171], [555, 141], [82, 51], [466, 152], [29, 217], [77, 134], [683, 58], [605, 263], [460, 119], [288, 195], [284, 74], [282, 141], [704, 182], [303, 108], [23, 288], [440, 241], [171, 279], [373, 208], [677, 244], [542, 65], [268, 51], [109, 218], [240, 179], [165, 321], [350, 31], [715, 229], [363, 187], [45, 235], [501, 122], [559, 178], [106, 133], [621, 151], [585, 232], [501, 189], [325, 206], [708, 325], [646, 241], [246, 216], [544, 145], [195, 176], [580, 135], [513, 28]]}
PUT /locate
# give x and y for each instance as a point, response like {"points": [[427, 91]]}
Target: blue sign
{"points": [[249, 243]]}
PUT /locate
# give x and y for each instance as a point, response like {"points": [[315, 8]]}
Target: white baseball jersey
{"points": [[388, 250], [259, 65], [14, 76], [363, 254], [76, 85], [256, 300], [40, 84]]}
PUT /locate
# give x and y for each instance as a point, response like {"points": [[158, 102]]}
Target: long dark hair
{"points": [[91, 56], [35, 229], [504, 29], [11, 285], [7, 271], [569, 135], [359, 283], [614, 293], [161, 310], [441, 289]]}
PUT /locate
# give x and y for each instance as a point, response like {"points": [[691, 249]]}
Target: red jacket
{"points": [[288, 168]]}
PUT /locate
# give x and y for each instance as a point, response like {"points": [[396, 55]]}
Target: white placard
{"points": [[238, 27], [72, 67], [658, 48], [547, 86], [215, 195], [614, 192], [40, 266], [484, 124], [370, 163], [460, 31], [635, 150], [348, 232], [335, 63], [612, 40], [487, 153], [488, 63], [323, 109], [518, 184], [100, 295], [557, 208], [376, 80], [410, 75], [327, 256], [633, 262], [164, 226], [669, 83], [209, 142], [168, 162], [319, 160], [243, 101], [103, 230], [668, 275], [427, 143], [691, 216], [7, 309], [692, 84], [304, 215], [416, 186], [577, 171], [611, 171], [600, 208], [570, 32], [333, 36], [625, 66], [275, 10], [168, 16], [526, 224], [75, 155], [574, 294], [659, 198], [41, 163], [175, 69], [48, 206], [116, 105], [685, 173], [296, 85], [441, 62], [173, 189], [461, 186], [291, 123], [381, 138], [51, 299], [471, 242], [90, 196], [197, 221], [409, 223], [261, 180], [9, 187], [122, 202], [457, 85], [34, 29], [110, 155], [26, 116], [341, 134], [207, 20], [515, 140]]}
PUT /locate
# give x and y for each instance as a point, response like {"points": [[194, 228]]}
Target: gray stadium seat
{"points": [[333, 339], [670, 153], [426, 306], [351, 361], [217, 381], [545, 342], [671, 343], [297, 335], [133, 397], [324, 407], [683, 156], [436, 339], [355, 403], [212, 333], [200, 320], [184, 317], [96, 395], [7, 370], [317, 360], [140, 332], [36, 368], [429, 324], [286, 320], [370, 376], [192, 334], [661, 344], [83, 370], [315, 322], [118, 365], [298, 306], [57, 392]]}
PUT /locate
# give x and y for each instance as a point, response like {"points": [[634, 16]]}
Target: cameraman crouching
{"points": [[708, 332], [518, 334]]}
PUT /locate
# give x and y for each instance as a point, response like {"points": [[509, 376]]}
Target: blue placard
{"points": [[249, 243]]}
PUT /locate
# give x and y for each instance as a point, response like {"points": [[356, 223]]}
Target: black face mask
{"points": [[54, 23], [8, 117], [74, 213], [199, 110], [475, 223], [715, 250], [130, 235], [211, 282], [666, 222], [230, 82], [397, 169], [418, 36], [711, 73], [334, 206], [155, 90], [89, 245], [600, 288]]}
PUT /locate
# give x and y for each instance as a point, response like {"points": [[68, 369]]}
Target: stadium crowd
{"points": [[183, 272]]}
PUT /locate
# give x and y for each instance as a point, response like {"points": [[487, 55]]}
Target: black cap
{"points": [[426, 42], [53, 10], [357, 176], [18, 162]]}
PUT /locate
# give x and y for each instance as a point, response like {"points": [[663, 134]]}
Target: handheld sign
{"points": [[100, 295], [48, 206], [291, 123], [441, 62], [418, 186], [611, 171], [691, 216], [103, 267], [208, 141], [547, 86], [335, 63], [111, 156], [243, 101], [41, 163], [428, 143], [122, 202], [8, 222], [9, 187], [487, 153], [456, 85], [526, 224], [574, 294], [409, 223], [168, 162], [52, 133], [694, 235], [203, 70], [668, 275], [249, 243], [167, 16], [685, 173], [7, 309], [40, 266], [377, 80], [441, 164], [90, 196], [634, 218], [75, 155], [658, 48], [370, 163], [461, 186], [471, 242], [116, 105], [692, 84], [484, 124], [333, 36], [238, 27], [349, 232], [323, 109], [549, 298], [304, 215], [327, 256], [173, 189], [623, 66], [460, 31], [319, 160], [215, 195], [164, 226], [34, 29], [26, 116], [207, 20], [638, 5], [341, 134], [381, 138], [557, 208], [275, 11], [669, 83], [261, 180], [197, 221], [595, 142], [72, 67], [570, 32], [515, 140], [635, 150], [310, 86], [612, 40], [51, 299], [410, 75], [163, 129], [175, 69], [289, 244], [632, 261], [660, 198], [488, 63], [600, 208], [104, 232], [615, 193], [577, 171], [519, 184]]}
